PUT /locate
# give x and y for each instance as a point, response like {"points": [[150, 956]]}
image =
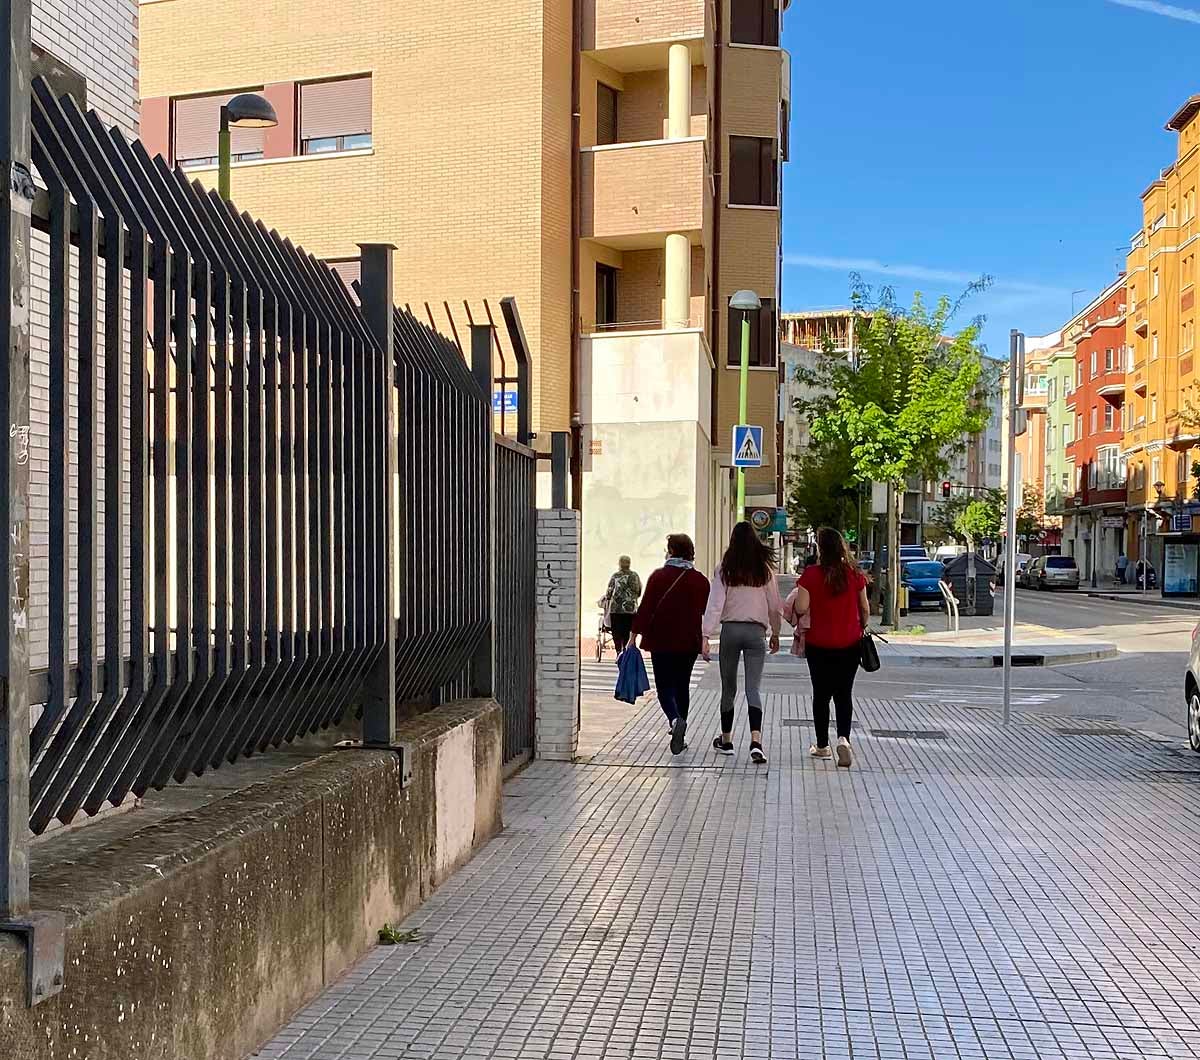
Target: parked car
{"points": [[913, 552], [945, 553], [1191, 691], [923, 578], [1052, 572], [1023, 559]]}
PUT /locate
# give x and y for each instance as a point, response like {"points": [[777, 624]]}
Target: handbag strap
{"points": [[682, 574]]}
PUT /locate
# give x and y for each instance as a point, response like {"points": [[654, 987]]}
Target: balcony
{"points": [[636, 193], [636, 36], [650, 376], [1111, 389]]}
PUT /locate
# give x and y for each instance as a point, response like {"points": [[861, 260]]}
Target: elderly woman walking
{"points": [[620, 602]]}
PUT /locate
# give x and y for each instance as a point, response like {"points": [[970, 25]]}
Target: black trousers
{"points": [[832, 671], [673, 681], [621, 626]]}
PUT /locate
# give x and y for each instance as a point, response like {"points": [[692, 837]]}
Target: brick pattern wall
{"points": [[470, 171], [642, 110], [556, 649], [635, 190], [613, 23], [100, 41]]}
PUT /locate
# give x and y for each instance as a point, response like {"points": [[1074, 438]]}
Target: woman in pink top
{"points": [[744, 601]]}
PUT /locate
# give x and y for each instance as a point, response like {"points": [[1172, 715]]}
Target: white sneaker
{"points": [[844, 757], [820, 752]]}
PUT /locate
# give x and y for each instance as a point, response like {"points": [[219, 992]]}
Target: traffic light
{"points": [[946, 490]]}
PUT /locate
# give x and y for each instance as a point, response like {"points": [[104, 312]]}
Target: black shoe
{"points": [[678, 732], [722, 748], [757, 755]]}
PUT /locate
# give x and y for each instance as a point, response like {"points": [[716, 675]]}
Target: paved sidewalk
{"points": [[1154, 598], [963, 892]]}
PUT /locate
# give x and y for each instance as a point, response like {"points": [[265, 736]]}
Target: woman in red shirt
{"points": [[668, 621], [839, 612]]}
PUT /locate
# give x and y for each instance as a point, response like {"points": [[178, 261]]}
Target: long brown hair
{"points": [[834, 559], [747, 560]]}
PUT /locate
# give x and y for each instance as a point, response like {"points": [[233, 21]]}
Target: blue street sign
{"points": [[504, 401], [1181, 522], [747, 446]]}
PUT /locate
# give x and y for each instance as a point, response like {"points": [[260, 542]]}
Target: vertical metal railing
{"points": [[270, 507]]}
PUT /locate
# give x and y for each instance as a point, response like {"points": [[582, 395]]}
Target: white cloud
{"points": [[925, 273], [1154, 7]]}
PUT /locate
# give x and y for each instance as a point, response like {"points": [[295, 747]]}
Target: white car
{"points": [[1191, 691], [1023, 559]]}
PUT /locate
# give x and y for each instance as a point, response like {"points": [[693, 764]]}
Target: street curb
{"points": [[990, 661], [1158, 601]]}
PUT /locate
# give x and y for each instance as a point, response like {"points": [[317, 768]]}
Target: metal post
{"points": [[224, 156], [560, 456], [379, 707], [14, 466], [743, 395], [1095, 545], [483, 663], [1016, 370], [1145, 557]]}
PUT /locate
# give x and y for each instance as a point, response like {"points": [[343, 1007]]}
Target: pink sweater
{"points": [[742, 603]]}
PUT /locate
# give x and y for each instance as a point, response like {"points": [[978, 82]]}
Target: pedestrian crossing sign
{"points": [[747, 446]]}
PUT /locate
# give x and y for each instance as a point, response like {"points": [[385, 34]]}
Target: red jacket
{"points": [[670, 620]]}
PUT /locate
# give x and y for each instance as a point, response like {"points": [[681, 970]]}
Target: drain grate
{"points": [[1112, 731], [910, 734], [795, 723]]}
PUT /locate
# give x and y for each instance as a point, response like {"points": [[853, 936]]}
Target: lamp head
{"points": [[251, 111], [746, 301]]}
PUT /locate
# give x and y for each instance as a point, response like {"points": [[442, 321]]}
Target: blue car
{"points": [[923, 578]]}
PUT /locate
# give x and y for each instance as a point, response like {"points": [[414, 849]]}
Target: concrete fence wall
{"points": [[198, 936]]}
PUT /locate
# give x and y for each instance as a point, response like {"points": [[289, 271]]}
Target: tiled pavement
{"points": [[968, 892]]}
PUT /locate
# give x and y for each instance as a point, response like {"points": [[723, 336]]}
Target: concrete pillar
{"points": [[678, 281], [556, 638], [679, 92]]}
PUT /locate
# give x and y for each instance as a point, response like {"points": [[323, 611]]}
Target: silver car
{"points": [[1052, 572]]}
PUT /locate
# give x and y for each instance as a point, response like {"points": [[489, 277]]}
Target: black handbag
{"points": [[868, 654]]}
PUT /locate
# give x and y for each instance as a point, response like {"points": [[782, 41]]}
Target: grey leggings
{"points": [[747, 640]]}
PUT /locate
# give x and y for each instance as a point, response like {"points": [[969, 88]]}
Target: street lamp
{"points": [[247, 111], [746, 302]]}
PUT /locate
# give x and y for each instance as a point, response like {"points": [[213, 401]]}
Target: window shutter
{"points": [[335, 108], [606, 114], [734, 356], [743, 170], [766, 334], [196, 122], [766, 173]]}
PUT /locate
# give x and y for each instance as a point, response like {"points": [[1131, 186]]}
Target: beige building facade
{"points": [[447, 130]]}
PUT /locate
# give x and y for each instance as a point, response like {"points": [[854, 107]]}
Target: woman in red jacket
{"points": [[668, 621], [838, 613]]}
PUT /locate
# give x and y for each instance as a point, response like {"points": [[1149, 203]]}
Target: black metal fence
{"points": [[225, 512]]}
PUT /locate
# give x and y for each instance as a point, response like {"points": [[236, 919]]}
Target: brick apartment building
{"points": [[447, 130]]}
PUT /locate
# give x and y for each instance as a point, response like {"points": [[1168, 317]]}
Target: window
{"points": [[1109, 412], [1078, 374], [1154, 407], [1050, 391], [606, 113], [1049, 438], [606, 295], [1155, 470], [764, 336], [1154, 284], [335, 116], [1093, 419], [1066, 434], [1066, 481], [753, 172], [1174, 214], [1181, 467], [1109, 361], [1092, 475], [1154, 346], [1189, 335], [1188, 274], [1079, 425], [754, 22], [195, 123], [1093, 364]]}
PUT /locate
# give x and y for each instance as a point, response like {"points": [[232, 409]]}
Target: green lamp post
{"points": [[746, 302], [247, 111]]}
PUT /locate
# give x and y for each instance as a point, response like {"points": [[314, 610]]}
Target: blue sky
{"points": [[938, 140]]}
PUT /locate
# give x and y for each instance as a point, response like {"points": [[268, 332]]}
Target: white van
{"points": [[945, 553]]}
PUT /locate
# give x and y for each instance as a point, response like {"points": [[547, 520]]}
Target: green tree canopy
{"points": [[823, 490]]}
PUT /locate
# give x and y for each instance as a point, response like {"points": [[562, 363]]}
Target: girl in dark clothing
{"points": [[668, 622]]}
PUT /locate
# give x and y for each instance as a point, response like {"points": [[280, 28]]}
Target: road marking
{"points": [[602, 676], [990, 697]]}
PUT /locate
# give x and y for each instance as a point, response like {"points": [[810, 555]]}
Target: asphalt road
{"points": [[1142, 689]]}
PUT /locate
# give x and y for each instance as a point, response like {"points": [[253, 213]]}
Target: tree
{"points": [[822, 492], [944, 521], [907, 400], [979, 521], [1031, 515]]}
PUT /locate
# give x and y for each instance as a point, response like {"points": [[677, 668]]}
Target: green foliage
{"points": [[978, 521], [910, 396], [1196, 479], [943, 523], [823, 491], [1031, 515]]}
